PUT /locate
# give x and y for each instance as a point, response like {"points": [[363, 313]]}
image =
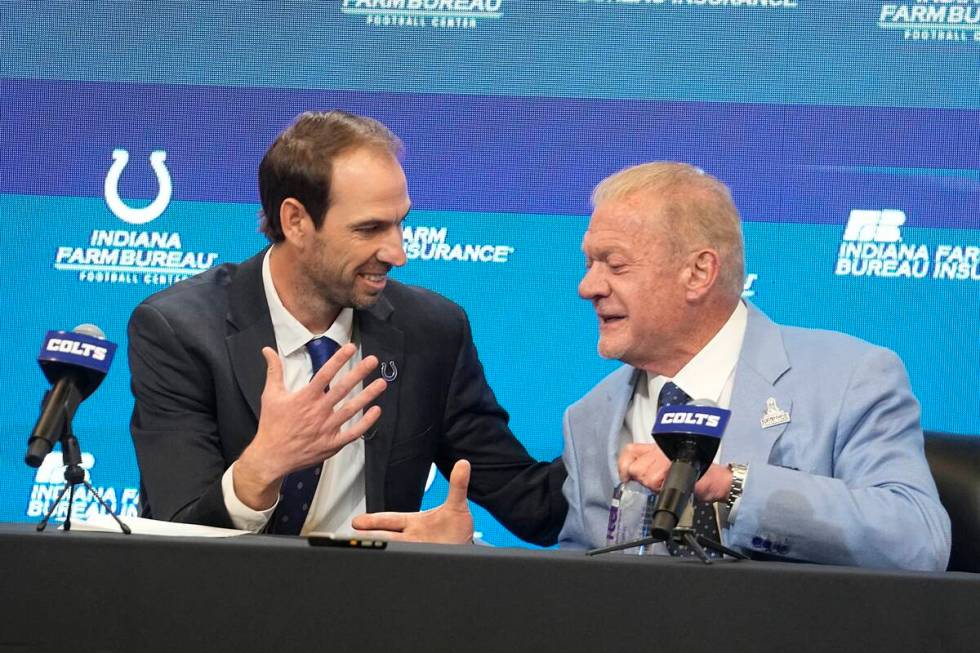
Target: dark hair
{"points": [[299, 162]]}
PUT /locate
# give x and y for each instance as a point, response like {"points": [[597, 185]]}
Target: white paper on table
{"points": [[141, 526]]}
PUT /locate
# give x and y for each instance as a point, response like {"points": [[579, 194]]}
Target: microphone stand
{"points": [[685, 536], [75, 475]]}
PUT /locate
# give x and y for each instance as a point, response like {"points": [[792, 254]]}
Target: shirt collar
{"points": [[705, 375], [291, 335]]}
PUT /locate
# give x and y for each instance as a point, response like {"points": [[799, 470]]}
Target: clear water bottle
{"points": [[630, 512]]}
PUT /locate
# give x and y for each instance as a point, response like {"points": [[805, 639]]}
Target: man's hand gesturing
{"points": [[303, 428], [450, 523]]}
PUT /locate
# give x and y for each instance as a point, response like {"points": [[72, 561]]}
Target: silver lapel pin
{"points": [[388, 371], [774, 415]]}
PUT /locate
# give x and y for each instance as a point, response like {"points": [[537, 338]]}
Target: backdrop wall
{"points": [[848, 131]]}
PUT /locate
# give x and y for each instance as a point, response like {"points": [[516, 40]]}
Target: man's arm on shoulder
{"points": [[880, 508], [525, 495]]}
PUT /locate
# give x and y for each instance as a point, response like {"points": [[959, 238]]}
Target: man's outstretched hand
{"points": [[450, 523]]}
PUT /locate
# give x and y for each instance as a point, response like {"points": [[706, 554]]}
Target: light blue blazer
{"points": [[844, 482]]}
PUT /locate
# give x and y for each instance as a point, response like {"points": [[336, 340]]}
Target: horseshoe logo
{"points": [[388, 371], [123, 211]]}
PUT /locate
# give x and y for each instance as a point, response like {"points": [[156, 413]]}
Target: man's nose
{"points": [[593, 283], [392, 251]]}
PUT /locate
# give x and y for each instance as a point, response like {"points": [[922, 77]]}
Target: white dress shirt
{"points": [[709, 375], [340, 494]]}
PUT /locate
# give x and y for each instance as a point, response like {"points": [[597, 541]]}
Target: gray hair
{"points": [[698, 211]]}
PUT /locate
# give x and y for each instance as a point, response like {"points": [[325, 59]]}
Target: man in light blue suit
{"points": [[822, 460]]}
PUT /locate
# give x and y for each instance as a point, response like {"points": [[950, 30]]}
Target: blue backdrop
{"points": [[848, 131]]}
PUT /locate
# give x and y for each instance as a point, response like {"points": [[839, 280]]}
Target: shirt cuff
{"points": [[243, 517]]}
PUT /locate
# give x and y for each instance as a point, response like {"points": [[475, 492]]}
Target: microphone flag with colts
{"points": [[74, 363], [689, 435]]}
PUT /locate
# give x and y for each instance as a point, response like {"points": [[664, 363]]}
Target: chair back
{"points": [[955, 464]]}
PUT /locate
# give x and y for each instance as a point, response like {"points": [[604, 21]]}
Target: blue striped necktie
{"points": [[298, 489]]}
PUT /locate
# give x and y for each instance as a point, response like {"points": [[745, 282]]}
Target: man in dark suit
{"points": [[228, 439]]}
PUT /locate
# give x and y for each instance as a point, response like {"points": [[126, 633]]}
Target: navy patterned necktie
{"points": [[705, 520], [671, 395], [298, 489]]}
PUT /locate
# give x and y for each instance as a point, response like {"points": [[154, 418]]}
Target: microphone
{"points": [[74, 363], [688, 434]]}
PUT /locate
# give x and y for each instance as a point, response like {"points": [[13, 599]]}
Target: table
{"points": [[110, 592]]}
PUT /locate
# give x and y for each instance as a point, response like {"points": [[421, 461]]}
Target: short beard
{"points": [[360, 306], [322, 296], [318, 296]]}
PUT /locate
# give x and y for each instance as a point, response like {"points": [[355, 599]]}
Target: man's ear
{"points": [[701, 273], [294, 220]]}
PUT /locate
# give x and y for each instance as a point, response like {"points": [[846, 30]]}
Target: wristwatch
{"points": [[739, 472]]}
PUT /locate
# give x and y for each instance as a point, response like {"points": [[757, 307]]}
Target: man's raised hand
{"points": [[303, 428]]}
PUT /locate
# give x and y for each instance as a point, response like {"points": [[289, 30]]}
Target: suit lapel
{"points": [[250, 329], [380, 338], [761, 363], [618, 397]]}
